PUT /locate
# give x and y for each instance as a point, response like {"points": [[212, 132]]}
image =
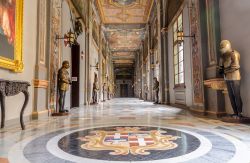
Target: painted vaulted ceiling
{"points": [[124, 26], [124, 11]]}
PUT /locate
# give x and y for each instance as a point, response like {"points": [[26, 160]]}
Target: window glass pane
{"points": [[181, 67], [176, 79], [181, 78], [180, 47], [176, 69], [178, 52], [175, 49], [175, 27], [181, 56], [180, 20], [180, 28], [175, 36], [176, 59]]}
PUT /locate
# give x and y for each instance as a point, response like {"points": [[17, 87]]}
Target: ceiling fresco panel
{"points": [[125, 11], [124, 26]]}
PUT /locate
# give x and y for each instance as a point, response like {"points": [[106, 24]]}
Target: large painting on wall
{"points": [[11, 19]]}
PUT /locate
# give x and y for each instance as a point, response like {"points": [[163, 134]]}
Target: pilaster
{"points": [[209, 24]]}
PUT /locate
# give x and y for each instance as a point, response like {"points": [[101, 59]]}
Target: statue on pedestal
{"points": [[95, 90], [229, 66], [63, 84], [156, 90]]}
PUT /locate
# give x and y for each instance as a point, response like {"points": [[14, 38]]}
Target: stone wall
{"points": [[234, 18]]}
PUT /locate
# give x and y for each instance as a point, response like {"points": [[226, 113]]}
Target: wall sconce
{"points": [[96, 66], [181, 36], [69, 39]]}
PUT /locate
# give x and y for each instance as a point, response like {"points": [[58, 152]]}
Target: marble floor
{"points": [[126, 130]]}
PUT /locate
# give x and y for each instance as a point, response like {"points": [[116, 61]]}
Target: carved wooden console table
{"points": [[11, 88]]}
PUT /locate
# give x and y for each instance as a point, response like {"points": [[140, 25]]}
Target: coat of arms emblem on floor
{"points": [[128, 140]]}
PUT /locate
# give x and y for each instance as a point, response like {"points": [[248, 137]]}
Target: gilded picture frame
{"points": [[15, 64]]}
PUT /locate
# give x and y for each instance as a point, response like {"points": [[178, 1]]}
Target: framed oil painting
{"points": [[11, 27]]}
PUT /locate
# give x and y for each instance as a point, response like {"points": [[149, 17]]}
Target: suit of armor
{"points": [[95, 90], [63, 84], [230, 67], [104, 90], [108, 92], [146, 92], [156, 90]]}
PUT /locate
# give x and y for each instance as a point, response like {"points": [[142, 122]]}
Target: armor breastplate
{"points": [[227, 62], [63, 76], [95, 86], [231, 63]]}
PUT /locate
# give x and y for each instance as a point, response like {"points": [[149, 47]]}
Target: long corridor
{"points": [[126, 130]]}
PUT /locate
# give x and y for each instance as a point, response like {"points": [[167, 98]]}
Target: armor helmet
{"points": [[65, 64], [225, 47]]}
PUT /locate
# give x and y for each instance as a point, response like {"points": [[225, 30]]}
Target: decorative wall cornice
{"points": [[40, 83]]}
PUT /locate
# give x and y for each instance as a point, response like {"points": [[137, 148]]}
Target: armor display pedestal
{"points": [[231, 119], [59, 114]]}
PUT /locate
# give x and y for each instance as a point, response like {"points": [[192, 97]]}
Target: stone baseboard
{"points": [[41, 114], [27, 118], [179, 106], [207, 114], [229, 119]]}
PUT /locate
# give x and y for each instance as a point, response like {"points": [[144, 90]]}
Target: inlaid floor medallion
{"points": [[124, 143]]}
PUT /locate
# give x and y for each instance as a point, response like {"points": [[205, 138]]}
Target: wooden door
{"points": [[124, 90], [75, 87]]}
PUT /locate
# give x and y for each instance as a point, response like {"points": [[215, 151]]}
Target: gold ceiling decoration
{"points": [[122, 3], [124, 11], [123, 57]]}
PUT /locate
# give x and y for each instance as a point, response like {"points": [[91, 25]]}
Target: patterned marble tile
{"points": [[228, 142]]}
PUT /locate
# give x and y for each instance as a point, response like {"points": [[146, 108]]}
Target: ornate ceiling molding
{"points": [[124, 11], [123, 3]]}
